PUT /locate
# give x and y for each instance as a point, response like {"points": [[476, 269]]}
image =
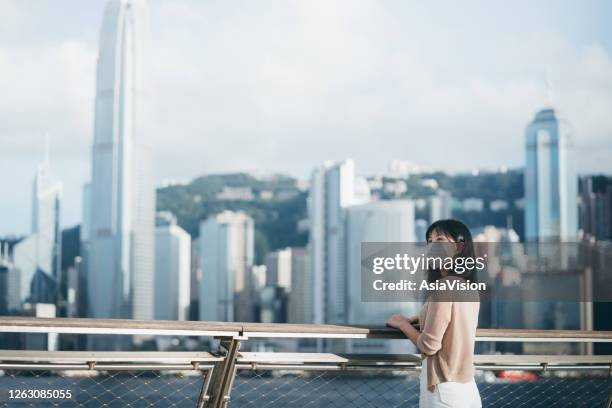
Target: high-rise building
{"points": [[76, 300], [194, 285], [85, 238], [37, 257], [596, 207], [272, 304], [333, 188], [380, 221], [300, 307], [420, 228], [120, 262], [278, 268], [9, 283], [172, 269], [289, 269], [259, 273], [440, 206], [72, 288], [227, 250], [551, 210]]}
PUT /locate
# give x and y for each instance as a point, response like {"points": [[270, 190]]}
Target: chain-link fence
{"points": [[101, 388], [256, 388]]}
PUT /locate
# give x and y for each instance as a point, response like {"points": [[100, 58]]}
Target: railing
{"points": [[270, 379]]}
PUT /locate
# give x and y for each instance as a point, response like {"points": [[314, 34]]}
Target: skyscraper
{"points": [[122, 216], [440, 206], [596, 207], [172, 269], [37, 257], [226, 249], [289, 269], [85, 238], [194, 281], [332, 190], [278, 268], [9, 282], [299, 308], [551, 184], [380, 221]]}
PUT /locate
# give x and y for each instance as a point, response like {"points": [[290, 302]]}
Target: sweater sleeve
{"points": [[438, 318]]}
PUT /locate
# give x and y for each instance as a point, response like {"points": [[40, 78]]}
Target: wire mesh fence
{"points": [[100, 389], [580, 390], [340, 389], [323, 389], [296, 388]]}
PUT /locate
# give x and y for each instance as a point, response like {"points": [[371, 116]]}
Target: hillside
{"points": [[277, 204], [274, 203]]}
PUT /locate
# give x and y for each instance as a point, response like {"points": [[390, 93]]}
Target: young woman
{"points": [[447, 329]]}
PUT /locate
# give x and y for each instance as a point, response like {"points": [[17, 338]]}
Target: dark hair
{"points": [[458, 232]]}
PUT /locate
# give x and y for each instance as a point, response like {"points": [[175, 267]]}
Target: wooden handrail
{"points": [[21, 324], [235, 329]]}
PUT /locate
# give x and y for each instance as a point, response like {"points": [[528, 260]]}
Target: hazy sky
{"points": [[279, 86]]}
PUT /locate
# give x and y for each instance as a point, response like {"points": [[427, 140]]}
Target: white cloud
{"points": [[281, 86], [46, 90], [288, 88]]}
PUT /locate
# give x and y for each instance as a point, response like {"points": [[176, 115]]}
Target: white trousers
{"points": [[448, 394]]}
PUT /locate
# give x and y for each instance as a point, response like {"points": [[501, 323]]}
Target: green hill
{"points": [[276, 205]]}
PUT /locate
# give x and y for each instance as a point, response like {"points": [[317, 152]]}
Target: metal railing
{"points": [[228, 376]]}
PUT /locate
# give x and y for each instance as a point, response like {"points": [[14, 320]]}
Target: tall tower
{"points": [[37, 257], [227, 248], [122, 216], [551, 184], [333, 188], [172, 269], [379, 221]]}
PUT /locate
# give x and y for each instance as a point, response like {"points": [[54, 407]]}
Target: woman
{"points": [[447, 328]]}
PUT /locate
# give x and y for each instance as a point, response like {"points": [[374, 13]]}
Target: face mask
{"points": [[440, 250]]}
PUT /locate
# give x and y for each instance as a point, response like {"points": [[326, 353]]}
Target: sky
{"points": [[281, 86]]}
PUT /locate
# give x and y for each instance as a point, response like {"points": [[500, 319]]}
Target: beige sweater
{"points": [[448, 332]]}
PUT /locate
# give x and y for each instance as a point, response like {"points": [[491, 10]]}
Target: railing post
{"points": [[609, 405], [222, 376], [203, 397]]}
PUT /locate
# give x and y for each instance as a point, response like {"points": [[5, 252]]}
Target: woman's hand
{"points": [[405, 325], [399, 321]]}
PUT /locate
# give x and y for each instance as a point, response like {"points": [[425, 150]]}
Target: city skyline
{"points": [[302, 202], [282, 102]]}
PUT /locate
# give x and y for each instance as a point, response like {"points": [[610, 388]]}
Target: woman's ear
{"points": [[460, 247]]}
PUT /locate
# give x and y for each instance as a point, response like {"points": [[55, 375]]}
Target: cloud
{"points": [[282, 86], [47, 90], [287, 88]]}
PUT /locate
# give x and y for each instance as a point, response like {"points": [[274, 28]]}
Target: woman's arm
{"points": [[405, 325], [432, 332], [429, 339]]}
